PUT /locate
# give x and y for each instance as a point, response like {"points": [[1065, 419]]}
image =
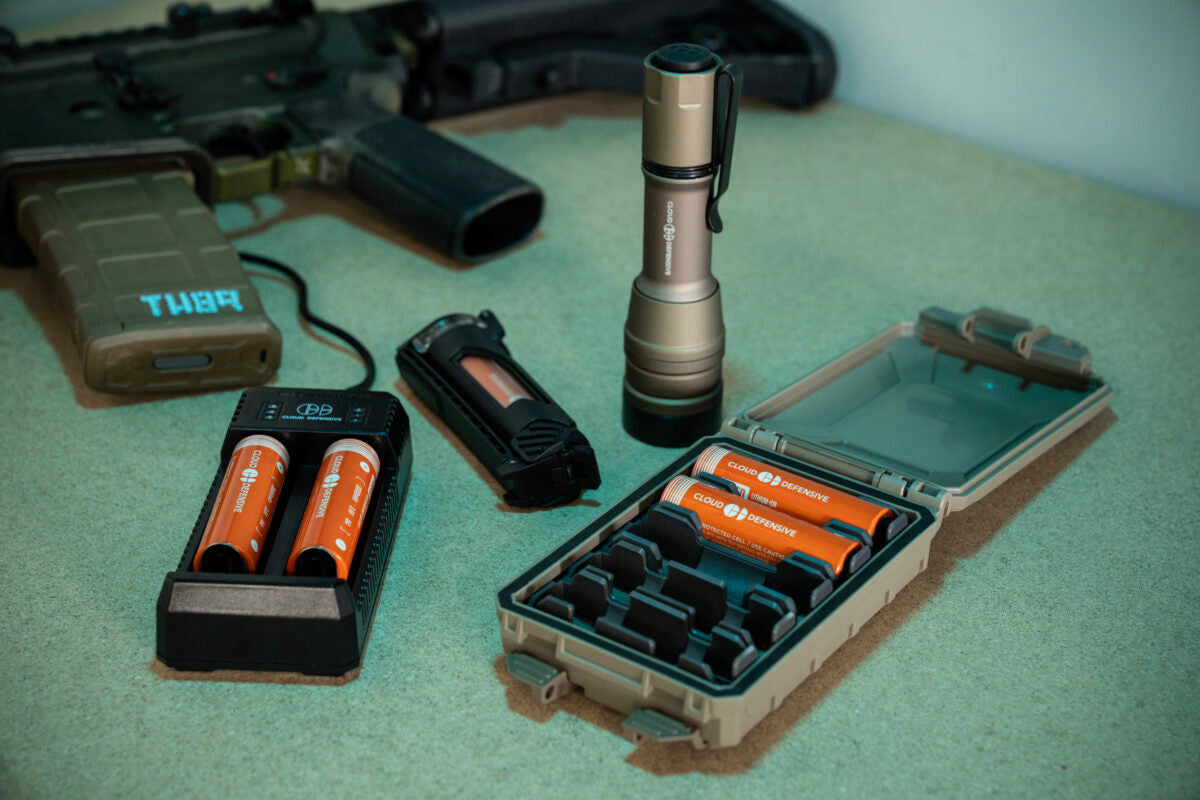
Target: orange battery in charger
{"points": [[233, 537], [795, 495], [333, 520], [761, 532]]}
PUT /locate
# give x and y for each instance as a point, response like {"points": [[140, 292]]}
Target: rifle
{"points": [[241, 102]]}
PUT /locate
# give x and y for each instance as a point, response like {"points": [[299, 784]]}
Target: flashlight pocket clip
{"points": [[724, 128]]}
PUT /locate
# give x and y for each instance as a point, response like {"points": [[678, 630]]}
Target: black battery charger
{"points": [[269, 620]]}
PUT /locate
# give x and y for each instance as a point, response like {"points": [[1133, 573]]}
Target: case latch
{"points": [[646, 723], [546, 682], [1009, 343]]}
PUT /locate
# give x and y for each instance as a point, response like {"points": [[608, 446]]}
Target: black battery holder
{"points": [[531, 447], [270, 620]]}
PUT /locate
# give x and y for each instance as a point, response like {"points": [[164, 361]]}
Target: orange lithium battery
{"points": [[333, 520], [795, 495], [761, 532], [495, 380], [241, 517]]}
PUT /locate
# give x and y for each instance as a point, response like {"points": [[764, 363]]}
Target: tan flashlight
{"points": [[674, 336]]}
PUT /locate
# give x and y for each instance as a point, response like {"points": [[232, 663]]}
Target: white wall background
{"points": [[1103, 88]]}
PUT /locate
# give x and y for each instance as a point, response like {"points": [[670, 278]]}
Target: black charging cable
{"points": [[302, 301]]}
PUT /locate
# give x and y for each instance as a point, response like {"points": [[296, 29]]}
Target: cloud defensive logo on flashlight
{"points": [[669, 236], [674, 336]]}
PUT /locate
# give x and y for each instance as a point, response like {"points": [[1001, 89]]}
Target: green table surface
{"points": [[1051, 647]]}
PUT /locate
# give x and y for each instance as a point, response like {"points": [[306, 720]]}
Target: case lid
{"points": [[940, 411]]}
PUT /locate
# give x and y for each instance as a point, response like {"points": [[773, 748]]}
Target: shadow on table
{"points": [[961, 536], [250, 676]]}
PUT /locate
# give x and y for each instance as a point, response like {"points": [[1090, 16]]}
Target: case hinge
{"points": [[891, 483], [932, 496], [918, 491]]}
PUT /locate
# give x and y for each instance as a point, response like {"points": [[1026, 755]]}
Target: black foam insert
{"points": [[626, 636], [731, 651], [703, 592], [805, 579], [677, 532], [589, 591], [769, 615], [667, 622]]}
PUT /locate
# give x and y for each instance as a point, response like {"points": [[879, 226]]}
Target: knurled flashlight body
{"points": [[674, 336]]}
